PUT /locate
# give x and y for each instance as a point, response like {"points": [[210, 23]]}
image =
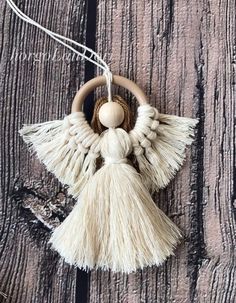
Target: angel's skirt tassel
{"points": [[115, 224]]}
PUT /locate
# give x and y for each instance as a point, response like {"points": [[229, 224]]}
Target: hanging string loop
{"points": [[86, 53]]}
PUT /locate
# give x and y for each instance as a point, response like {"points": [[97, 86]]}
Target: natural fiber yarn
{"points": [[69, 148], [159, 143], [115, 224], [127, 124]]}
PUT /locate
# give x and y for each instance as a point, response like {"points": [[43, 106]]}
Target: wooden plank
{"points": [[183, 55], [34, 89]]}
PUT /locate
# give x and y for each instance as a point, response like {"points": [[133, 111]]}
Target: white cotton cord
{"points": [[69, 148], [108, 76], [58, 38], [93, 57]]}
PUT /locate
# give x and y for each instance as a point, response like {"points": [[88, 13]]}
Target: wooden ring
{"points": [[89, 86]]}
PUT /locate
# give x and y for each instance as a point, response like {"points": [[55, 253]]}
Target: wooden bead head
{"points": [[111, 114]]}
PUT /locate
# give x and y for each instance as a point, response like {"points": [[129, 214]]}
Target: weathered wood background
{"points": [[183, 54]]}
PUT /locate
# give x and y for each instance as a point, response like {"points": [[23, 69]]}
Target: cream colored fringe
{"points": [[115, 223], [69, 148], [159, 143]]}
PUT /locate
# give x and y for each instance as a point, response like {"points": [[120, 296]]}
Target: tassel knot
{"points": [[110, 160], [115, 144], [138, 151], [145, 143]]}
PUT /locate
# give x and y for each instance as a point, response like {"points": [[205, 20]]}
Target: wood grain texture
{"points": [[34, 89], [183, 54]]}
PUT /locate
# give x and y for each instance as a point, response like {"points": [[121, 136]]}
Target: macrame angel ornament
{"points": [[115, 224]]}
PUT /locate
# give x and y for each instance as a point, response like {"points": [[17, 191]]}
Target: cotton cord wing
{"points": [[159, 143], [68, 148]]}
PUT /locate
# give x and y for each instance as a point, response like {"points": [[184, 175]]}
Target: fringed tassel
{"points": [[115, 224], [173, 135], [163, 139], [64, 146]]}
